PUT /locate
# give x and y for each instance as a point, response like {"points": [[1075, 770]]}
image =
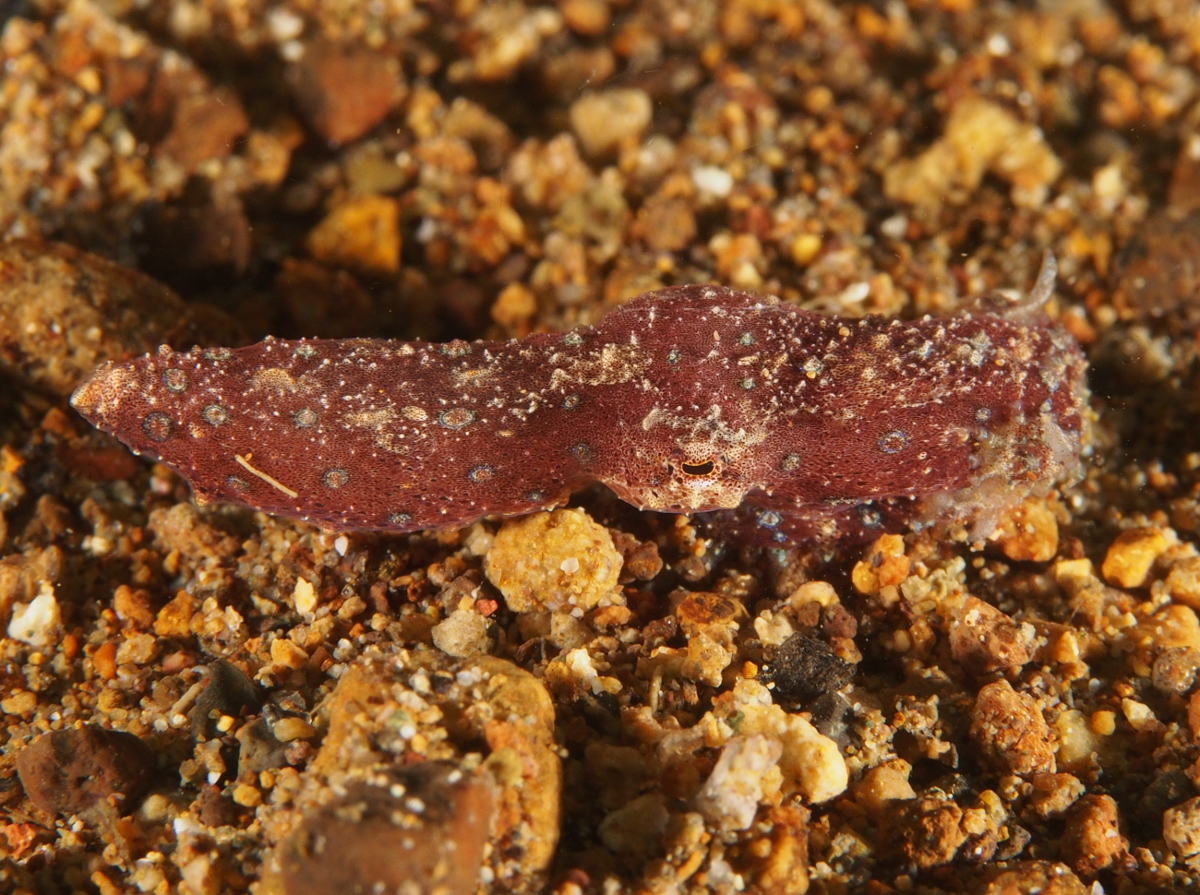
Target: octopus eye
{"points": [[704, 468]]}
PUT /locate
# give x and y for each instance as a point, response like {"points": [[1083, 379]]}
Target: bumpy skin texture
{"points": [[689, 399]]}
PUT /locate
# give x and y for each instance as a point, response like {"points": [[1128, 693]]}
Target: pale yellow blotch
{"points": [[371, 419], [612, 365], [274, 379]]}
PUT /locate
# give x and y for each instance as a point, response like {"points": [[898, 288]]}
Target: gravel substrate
{"points": [[201, 699]]}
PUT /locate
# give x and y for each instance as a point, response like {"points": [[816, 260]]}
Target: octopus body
{"points": [[686, 400]]}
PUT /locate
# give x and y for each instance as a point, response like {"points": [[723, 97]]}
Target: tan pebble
{"points": [[462, 633], [288, 654], [637, 827], [589, 18], [884, 784], [494, 702], [288, 729], [514, 307], [1183, 581], [1029, 533], [699, 610], [730, 797], [819, 592], [421, 828], [980, 138], [811, 764], [104, 660], [247, 796], [885, 565], [1104, 722], [1076, 741], [1138, 714], [611, 616], [1132, 555], [805, 248], [304, 596], [140, 649], [1053, 794], [1073, 575], [175, 619], [609, 119], [1010, 730], [19, 702], [706, 659], [133, 607], [562, 561], [362, 233], [1172, 626]]}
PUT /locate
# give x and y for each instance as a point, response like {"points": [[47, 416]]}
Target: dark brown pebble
{"points": [[804, 668], [258, 750], [69, 771], [205, 127], [228, 691], [198, 243], [1157, 275]]}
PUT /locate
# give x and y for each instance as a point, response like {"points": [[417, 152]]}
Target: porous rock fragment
{"points": [[984, 640], [924, 832], [981, 138], [72, 770], [605, 121], [1010, 731], [804, 668], [1181, 831], [561, 561]]}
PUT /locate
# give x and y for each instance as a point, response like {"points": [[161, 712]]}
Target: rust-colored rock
{"points": [[923, 832], [344, 91], [1092, 840], [69, 771], [205, 127], [1011, 732]]}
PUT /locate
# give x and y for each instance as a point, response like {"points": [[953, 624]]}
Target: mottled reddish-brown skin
{"points": [[690, 399]]}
